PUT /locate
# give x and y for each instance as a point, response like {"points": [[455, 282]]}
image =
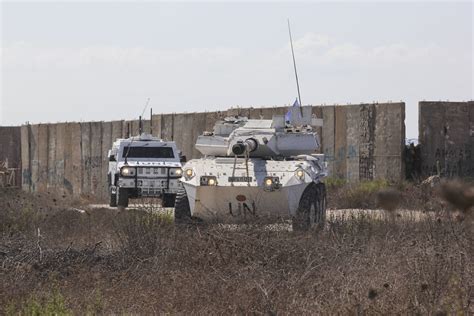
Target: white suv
{"points": [[143, 166]]}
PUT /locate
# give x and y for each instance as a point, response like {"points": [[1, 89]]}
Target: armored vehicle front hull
{"points": [[238, 190], [242, 204]]}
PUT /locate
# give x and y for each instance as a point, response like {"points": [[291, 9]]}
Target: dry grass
{"points": [[107, 261]]}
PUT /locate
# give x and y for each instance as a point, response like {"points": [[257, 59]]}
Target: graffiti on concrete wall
{"points": [[451, 162], [449, 152]]}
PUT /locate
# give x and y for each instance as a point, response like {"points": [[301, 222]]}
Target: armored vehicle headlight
{"points": [[299, 173], [127, 171], [188, 173], [208, 181], [271, 183]]}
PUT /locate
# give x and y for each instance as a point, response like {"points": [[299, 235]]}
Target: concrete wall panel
{"points": [[106, 146], [470, 142], [255, 113], [146, 126], [59, 159], [367, 141], [135, 127], [198, 128], [85, 157], [341, 146], [390, 142], [94, 162], [126, 129], [238, 111], [10, 149], [52, 150], [34, 166], [268, 113], [431, 135], [183, 132], [446, 138], [212, 118], [317, 112], [327, 137], [352, 150], [76, 175], [25, 158], [42, 158], [157, 125], [117, 130], [179, 129], [68, 159], [167, 126], [457, 139]]}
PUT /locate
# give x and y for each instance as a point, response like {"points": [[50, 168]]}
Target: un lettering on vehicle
{"points": [[238, 209]]}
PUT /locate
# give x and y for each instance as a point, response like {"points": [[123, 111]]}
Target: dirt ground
{"points": [[56, 258]]}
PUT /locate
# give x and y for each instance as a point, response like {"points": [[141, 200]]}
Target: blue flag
{"points": [[289, 114]]}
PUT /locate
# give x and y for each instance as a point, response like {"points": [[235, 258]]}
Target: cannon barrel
{"points": [[241, 147]]}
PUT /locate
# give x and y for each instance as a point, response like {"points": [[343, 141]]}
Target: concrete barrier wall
{"points": [[446, 134], [361, 142]]}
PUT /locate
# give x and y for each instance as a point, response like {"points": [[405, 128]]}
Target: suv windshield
{"points": [[148, 152]]}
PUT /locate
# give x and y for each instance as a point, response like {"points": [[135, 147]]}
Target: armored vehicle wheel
{"points": [[312, 208], [168, 200], [182, 212], [113, 200], [122, 199], [321, 204]]}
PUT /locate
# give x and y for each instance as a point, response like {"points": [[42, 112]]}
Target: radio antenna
{"points": [[151, 121], [294, 65], [139, 129], [146, 105]]}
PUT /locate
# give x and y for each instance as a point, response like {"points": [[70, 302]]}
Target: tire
{"points": [[168, 200], [182, 211], [113, 200], [122, 200], [311, 211], [321, 205]]}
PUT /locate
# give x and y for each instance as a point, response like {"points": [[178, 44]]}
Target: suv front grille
{"points": [[150, 191], [152, 171]]}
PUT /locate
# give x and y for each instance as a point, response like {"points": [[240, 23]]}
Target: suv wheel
{"points": [[122, 199], [168, 200], [113, 199]]}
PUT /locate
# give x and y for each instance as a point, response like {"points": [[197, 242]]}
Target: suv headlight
{"points": [[176, 172], [127, 171], [188, 173]]}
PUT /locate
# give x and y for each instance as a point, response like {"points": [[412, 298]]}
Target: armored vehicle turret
{"points": [[256, 169]]}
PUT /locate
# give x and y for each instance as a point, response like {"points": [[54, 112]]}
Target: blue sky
{"points": [[102, 60]]}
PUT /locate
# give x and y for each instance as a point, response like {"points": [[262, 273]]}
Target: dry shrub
{"points": [[355, 195], [381, 194], [140, 232], [388, 199], [141, 265], [459, 194]]}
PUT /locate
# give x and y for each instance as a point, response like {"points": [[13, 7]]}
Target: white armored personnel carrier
{"points": [[256, 169], [143, 166]]}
